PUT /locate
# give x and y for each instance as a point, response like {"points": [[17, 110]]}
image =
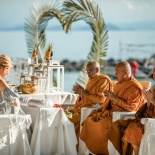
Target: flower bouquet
{"points": [[68, 113]]}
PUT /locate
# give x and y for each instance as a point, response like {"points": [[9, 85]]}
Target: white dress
{"points": [[6, 98]]}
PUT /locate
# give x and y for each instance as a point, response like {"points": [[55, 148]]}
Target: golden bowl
{"points": [[29, 88]]}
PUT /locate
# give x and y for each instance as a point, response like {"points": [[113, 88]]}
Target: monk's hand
{"points": [[110, 95], [76, 88], [148, 95], [83, 92]]}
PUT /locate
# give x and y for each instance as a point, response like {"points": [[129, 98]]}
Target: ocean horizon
{"points": [[76, 44]]}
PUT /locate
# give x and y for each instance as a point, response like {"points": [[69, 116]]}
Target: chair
{"points": [[148, 139], [125, 115], [146, 84], [13, 136], [83, 150], [117, 116]]}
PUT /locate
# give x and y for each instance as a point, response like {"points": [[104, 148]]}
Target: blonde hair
{"points": [[5, 61]]}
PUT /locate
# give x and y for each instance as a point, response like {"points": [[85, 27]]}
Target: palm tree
{"points": [[36, 22], [91, 14], [42, 11]]}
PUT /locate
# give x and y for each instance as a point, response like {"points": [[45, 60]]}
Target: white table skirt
{"points": [[53, 133], [13, 136], [63, 98]]}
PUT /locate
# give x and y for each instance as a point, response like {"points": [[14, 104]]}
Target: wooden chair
{"points": [[145, 84]]}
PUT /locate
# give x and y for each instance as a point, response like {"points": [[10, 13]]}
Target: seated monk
{"points": [[126, 134], [127, 96], [91, 95]]}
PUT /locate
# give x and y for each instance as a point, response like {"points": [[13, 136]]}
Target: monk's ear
{"points": [[97, 69], [126, 72]]}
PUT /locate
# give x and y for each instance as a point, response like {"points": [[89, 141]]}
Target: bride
{"points": [[7, 97]]}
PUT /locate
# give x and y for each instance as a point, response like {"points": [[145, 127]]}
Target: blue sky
{"points": [[118, 12], [125, 14]]}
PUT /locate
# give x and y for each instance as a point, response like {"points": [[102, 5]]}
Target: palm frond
{"points": [[36, 22], [91, 14]]}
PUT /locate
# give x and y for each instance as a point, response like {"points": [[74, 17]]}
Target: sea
{"points": [[76, 45]]}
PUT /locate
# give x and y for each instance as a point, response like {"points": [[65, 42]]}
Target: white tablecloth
{"points": [[53, 133], [13, 136], [63, 98]]}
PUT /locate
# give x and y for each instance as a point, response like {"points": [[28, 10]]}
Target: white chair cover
{"points": [[13, 136], [147, 146], [117, 116], [83, 150]]}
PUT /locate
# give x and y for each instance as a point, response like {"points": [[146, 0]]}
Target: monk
{"points": [[92, 94], [127, 96], [128, 133]]}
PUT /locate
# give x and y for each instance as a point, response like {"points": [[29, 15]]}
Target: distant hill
{"points": [[112, 27], [138, 26], [15, 28], [58, 28]]}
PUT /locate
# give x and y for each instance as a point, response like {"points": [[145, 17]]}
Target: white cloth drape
{"points": [[83, 150], [13, 136], [53, 133], [147, 146]]}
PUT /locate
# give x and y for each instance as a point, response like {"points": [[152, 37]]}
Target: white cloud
{"points": [[127, 11]]}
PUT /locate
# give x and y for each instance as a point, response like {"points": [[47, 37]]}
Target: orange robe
{"points": [[123, 133], [95, 88], [97, 123]]}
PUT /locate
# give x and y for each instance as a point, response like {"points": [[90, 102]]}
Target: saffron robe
{"points": [[95, 88], [123, 133], [97, 123]]}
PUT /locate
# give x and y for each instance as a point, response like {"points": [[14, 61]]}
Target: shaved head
{"points": [[124, 65], [94, 64], [93, 69], [123, 71]]}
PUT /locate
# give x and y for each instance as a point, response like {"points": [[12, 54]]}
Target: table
{"points": [[13, 136], [53, 133]]}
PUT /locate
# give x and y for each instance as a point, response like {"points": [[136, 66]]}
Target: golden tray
{"points": [[29, 88]]}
